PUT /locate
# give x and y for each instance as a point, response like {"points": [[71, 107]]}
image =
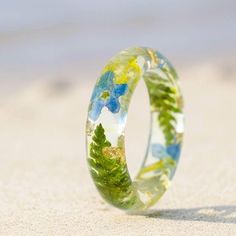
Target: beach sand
{"points": [[45, 186]]}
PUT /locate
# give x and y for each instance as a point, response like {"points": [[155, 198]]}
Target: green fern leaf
{"points": [[164, 99], [109, 171]]}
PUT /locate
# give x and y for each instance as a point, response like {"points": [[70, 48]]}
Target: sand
{"points": [[45, 186]]}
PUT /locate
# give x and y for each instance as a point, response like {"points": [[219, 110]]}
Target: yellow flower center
{"points": [[105, 95]]}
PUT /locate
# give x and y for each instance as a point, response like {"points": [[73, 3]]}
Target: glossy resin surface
{"points": [[106, 122]]}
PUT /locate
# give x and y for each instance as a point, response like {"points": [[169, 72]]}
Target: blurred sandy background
{"points": [[51, 52]]}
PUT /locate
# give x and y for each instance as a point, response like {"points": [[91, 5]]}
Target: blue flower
{"points": [[174, 151], [160, 152], [106, 94]]}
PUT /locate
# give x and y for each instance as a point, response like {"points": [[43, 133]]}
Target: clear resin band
{"points": [[106, 122]]}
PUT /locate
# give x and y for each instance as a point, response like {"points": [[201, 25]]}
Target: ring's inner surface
{"points": [[106, 124]]}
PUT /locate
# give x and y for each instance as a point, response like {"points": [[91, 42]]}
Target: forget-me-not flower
{"points": [[106, 94], [160, 152]]}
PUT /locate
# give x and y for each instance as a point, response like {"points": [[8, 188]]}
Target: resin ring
{"points": [[106, 124]]}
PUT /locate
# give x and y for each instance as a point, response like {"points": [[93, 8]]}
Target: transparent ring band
{"points": [[106, 124]]}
